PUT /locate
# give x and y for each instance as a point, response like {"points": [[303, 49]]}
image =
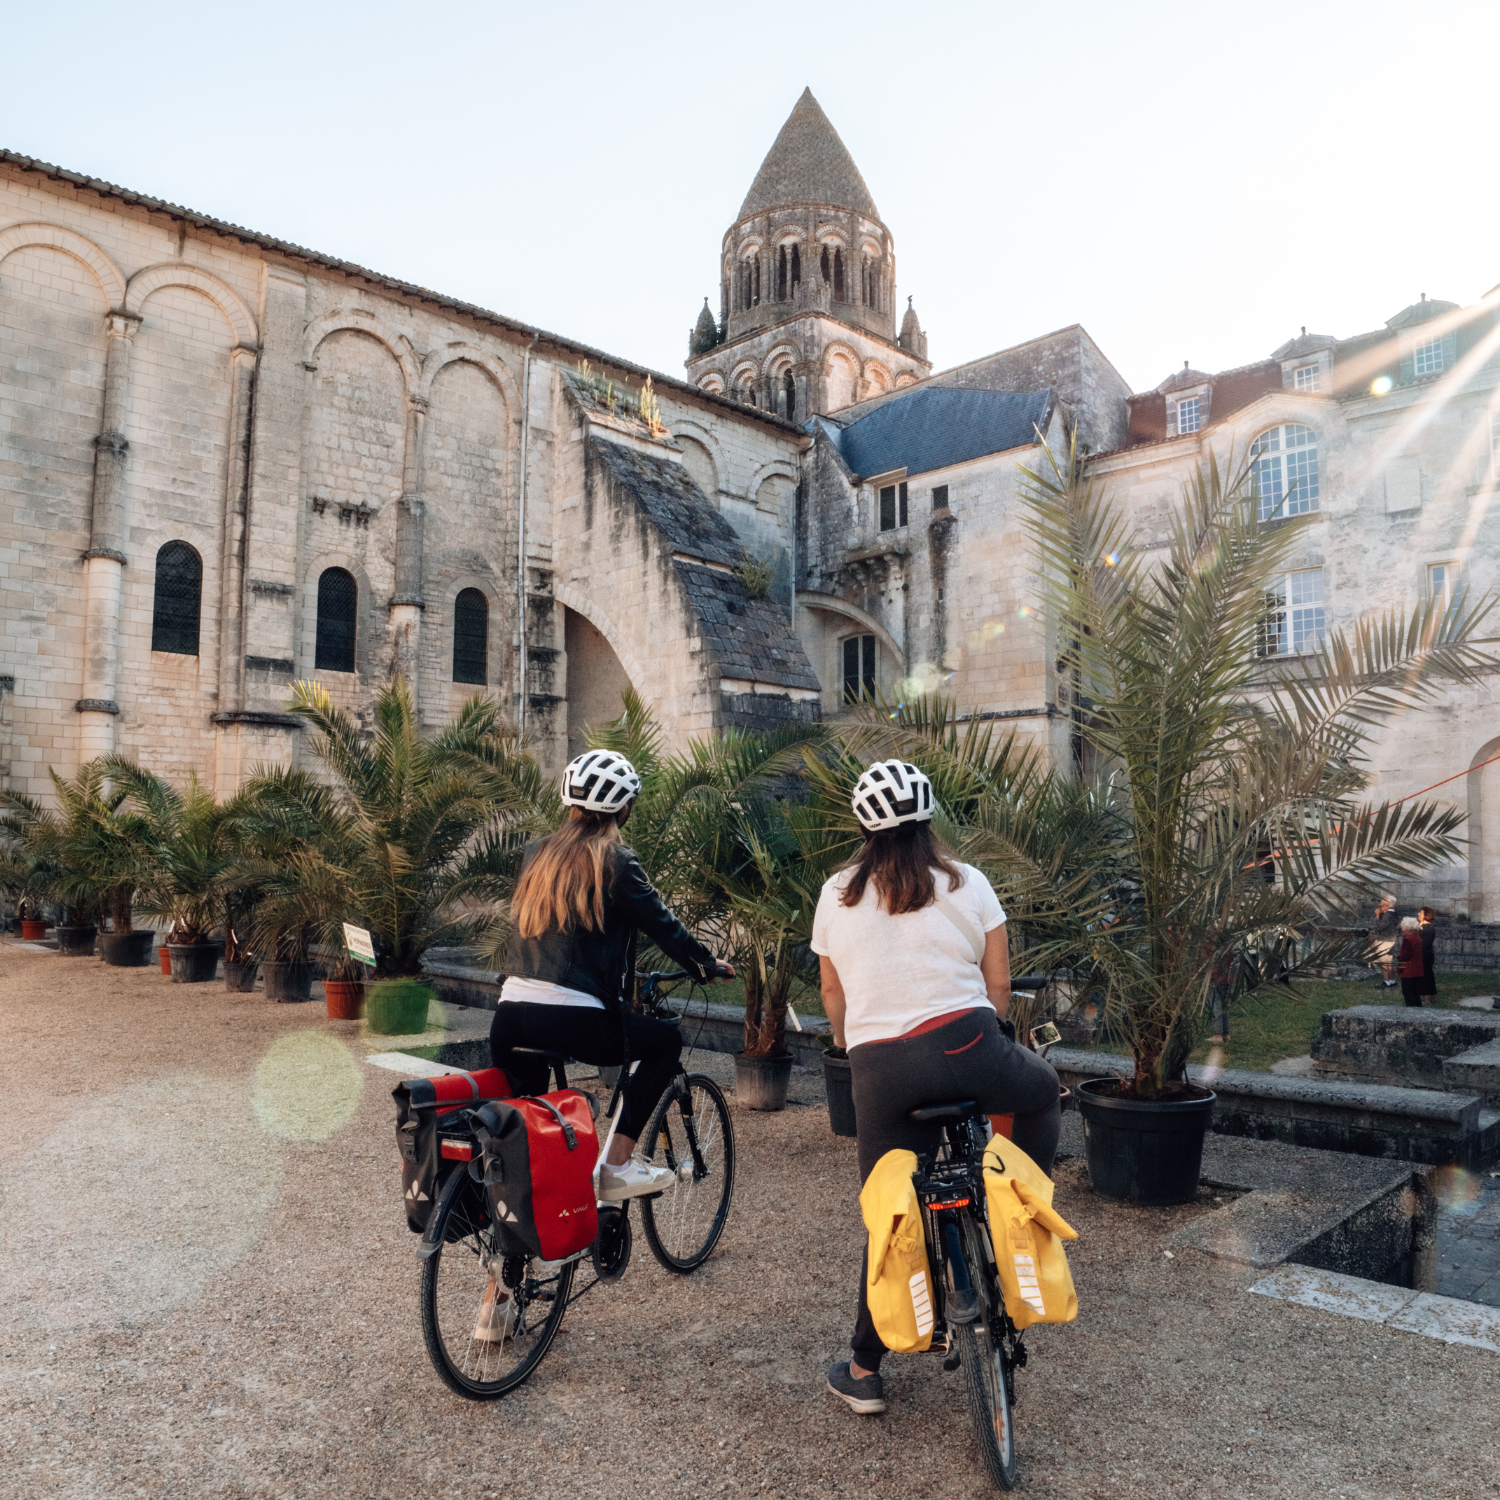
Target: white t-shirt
{"points": [[900, 971], [519, 991]]}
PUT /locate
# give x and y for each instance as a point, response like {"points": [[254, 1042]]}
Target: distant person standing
{"points": [[1384, 936], [1409, 961], [1428, 919]]}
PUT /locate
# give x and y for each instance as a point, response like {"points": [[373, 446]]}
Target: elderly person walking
{"points": [[1428, 918], [1384, 935], [1409, 960]]}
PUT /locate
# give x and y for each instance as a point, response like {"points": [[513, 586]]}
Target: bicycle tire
{"points": [[985, 1375], [686, 1221], [453, 1276]]}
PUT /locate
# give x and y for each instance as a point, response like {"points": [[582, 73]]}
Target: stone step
{"points": [[1476, 1071], [1398, 1044], [1421, 1125]]}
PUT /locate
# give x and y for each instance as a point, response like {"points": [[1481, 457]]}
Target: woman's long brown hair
{"points": [[900, 862], [563, 884]]}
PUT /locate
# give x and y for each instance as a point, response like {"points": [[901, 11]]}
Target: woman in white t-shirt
{"points": [[916, 980]]}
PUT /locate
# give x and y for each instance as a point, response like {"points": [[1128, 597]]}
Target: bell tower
{"points": [[807, 286]]}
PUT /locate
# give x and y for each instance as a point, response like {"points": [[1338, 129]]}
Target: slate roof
{"points": [[744, 638], [808, 163], [935, 426], [1184, 378], [1306, 343]]}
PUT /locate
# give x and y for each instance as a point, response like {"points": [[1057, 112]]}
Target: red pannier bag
{"points": [[423, 1106], [539, 1155]]}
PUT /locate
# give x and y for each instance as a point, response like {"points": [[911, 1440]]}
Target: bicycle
{"points": [[463, 1266], [970, 1312]]}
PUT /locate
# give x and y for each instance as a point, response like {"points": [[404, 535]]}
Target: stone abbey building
{"points": [[227, 462]]}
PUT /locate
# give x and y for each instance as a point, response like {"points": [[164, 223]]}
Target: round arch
{"points": [[831, 604], [600, 620], [356, 321], [224, 297], [438, 360], [55, 237], [780, 359]]}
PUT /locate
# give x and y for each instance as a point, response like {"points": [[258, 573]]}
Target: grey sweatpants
{"points": [[969, 1058]]}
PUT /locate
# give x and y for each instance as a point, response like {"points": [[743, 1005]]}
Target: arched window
{"points": [[471, 634], [796, 268], [178, 599], [338, 599], [838, 275], [783, 286], [789, 397], [1285, 472], [827, 267]]}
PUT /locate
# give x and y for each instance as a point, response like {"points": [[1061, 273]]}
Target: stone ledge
{"points": [[1401, 1045], [1476, 1071]]}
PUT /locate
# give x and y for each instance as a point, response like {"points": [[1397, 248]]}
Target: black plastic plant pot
{"points": [[840, 1082], [761, 1082], [1143, 1151], [287, 982], [76, 942], [194, 963], [128, 950], [240, 977]]}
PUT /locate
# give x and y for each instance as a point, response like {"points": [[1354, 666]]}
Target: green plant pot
{"points": [[397, 1007]]}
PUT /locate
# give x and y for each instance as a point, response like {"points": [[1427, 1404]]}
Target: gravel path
{"points": [[209, 1290]]}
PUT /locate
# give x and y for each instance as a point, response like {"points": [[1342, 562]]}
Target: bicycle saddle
{"points": [[936, 1114], [541, 1054]]}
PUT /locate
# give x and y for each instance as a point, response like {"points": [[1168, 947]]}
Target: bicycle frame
{"points": [[950, 1188]]}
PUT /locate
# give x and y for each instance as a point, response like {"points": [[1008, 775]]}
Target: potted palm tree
{"points": [[189, 860], [103, 854], [412, 838], [1216, 744], [28, 879]]}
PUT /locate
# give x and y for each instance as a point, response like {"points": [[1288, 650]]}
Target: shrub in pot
{"points": [[1232, 815], [344, 991]]}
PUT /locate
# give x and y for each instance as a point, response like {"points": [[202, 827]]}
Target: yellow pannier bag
{"points": [[898, 1284], [1028, 1238]]}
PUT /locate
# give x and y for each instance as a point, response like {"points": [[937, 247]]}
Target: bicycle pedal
{"points": [[952, 1362]]}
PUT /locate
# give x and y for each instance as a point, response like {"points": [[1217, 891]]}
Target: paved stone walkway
{"points": [[1468, 1234]]}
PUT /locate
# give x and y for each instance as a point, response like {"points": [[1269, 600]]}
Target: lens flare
{"points": [[306, 1086], [1112, 558], [1380, 385]]}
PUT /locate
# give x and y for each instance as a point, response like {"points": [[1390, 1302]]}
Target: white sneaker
{"points": [[497, 1318], [633, 1180]]}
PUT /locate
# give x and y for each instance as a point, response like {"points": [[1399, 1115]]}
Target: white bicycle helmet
{"points": [[600, 781], [891, 793]]}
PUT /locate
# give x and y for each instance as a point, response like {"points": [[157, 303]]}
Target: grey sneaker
{"points": [[866, 1396], [633, 1180]]}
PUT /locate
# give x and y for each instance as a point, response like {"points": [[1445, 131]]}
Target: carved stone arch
{"points": [[583, 605], [712, 382], [781, 357], [56, 237], [705, 435], [866, 622], [876, 376], [791, 234], [224, 297], [750, 245], [439, 359], [777, 468], [744, 373], [362, 322], [904, 379], [690, 432], [847, 351], [832, 235]]}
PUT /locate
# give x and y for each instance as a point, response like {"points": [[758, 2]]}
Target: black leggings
{"points": [[969, 1058], [591, 1036]]}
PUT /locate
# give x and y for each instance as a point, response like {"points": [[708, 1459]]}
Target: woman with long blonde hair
{"points": [[580, 900]]}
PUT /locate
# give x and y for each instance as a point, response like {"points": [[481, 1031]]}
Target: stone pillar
{"points": [[104, 562], [232, 596], [408, 603]]}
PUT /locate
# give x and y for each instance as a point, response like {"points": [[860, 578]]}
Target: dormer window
{"points": [[1305, 378], [1427, 358], [1189, 414]]}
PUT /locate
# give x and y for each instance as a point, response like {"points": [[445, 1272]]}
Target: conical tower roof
{"points": [[808, 164]]}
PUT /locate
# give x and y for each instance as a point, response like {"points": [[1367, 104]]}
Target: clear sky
{"points": [[1188, 181]]}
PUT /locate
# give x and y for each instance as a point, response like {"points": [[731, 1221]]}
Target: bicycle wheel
{"points": [[985, 1374], [684, 1224], [457, 1301]]}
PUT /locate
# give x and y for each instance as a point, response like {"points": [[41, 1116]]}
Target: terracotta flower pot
{"points": [[164, 953], [33, 931], [346, 998]]}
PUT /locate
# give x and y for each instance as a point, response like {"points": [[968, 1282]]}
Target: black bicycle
{"points": [[489, 1318], [971, 1321]]}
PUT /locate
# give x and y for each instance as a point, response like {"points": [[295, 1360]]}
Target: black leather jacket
{"points": [[598, 963]]}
